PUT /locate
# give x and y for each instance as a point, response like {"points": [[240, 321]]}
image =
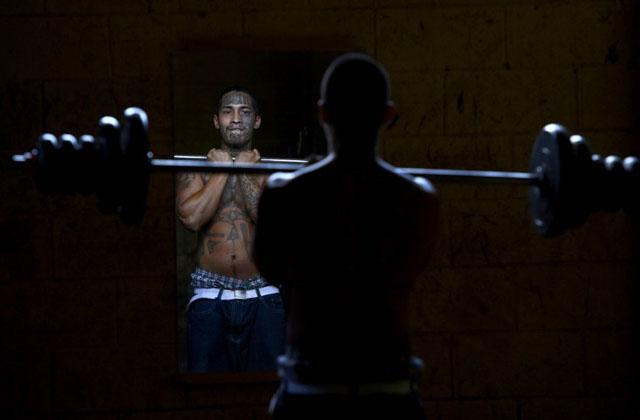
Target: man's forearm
{"points": [[200, 207], [251, 186]]}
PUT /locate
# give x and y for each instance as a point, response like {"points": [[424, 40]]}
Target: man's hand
{"points": [[248, 156], [219, 155]]}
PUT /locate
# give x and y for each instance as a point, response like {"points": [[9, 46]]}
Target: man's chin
{"points": [[237, 142]]}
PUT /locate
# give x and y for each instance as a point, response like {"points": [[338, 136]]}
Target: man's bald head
{"points": [[355, 90]]}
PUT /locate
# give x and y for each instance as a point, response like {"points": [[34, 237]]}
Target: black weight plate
{"points": [[631, 184], [551, 152], [69, 156], [47, 173], [88, 164], [613, 180], [109, 161], [577, 175], [135, 168]]}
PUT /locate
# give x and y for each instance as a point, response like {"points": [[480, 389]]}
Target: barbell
{"points": [[566, 181]]}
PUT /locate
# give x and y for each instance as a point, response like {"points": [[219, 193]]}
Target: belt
{"points": [[402, 387], [232, 294]]}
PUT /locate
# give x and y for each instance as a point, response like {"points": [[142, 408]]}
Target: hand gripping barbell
{"points": [[566, 182]]}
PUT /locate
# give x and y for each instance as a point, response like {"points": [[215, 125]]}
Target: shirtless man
{"points": [[235, 318], [347, 236]]}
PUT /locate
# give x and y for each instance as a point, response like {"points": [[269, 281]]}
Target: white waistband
{"points": [[213, 292], [402, 387]]}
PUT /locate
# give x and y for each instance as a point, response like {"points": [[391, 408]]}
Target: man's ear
{"points": [[258, 122], [216, 123], [391, 113]]}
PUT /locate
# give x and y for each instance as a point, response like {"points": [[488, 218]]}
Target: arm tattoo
{"points": [[250, 185], [184, 179]]}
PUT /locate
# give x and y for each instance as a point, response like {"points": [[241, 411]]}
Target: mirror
{"points": [[286, 88]]}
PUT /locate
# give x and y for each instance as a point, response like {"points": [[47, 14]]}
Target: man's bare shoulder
{"points": [[418, 184], [282, 180], [279, 180], [424, 184]]}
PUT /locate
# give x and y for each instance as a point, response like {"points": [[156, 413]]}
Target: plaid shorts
{"points": [[201, 278]]}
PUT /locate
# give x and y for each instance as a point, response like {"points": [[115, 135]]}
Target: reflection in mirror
{"points": [[238, 107]]}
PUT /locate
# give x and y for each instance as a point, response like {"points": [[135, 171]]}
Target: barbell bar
{"points": [[459, 175], [566, 181], [265, 160], [270, 165]]}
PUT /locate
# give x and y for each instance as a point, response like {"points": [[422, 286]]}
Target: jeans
{"points": [[235, 335]]}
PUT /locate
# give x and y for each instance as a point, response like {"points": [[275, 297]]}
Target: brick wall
{"points": [[511, 326]]}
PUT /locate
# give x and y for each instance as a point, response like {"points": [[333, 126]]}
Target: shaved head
{"points": [[355, 89]]}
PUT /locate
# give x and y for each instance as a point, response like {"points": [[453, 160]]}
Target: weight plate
{"points": [[135, 169], [109, 161], [551, 152], [577, 173]]}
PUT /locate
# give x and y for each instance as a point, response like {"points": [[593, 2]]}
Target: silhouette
{"points": [[346, 237]]}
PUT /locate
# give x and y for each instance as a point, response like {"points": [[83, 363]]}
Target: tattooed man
{"points": [[235, 318], [348, 237]]}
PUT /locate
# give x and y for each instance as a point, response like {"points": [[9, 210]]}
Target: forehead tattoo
{"points": [[236, 98]]}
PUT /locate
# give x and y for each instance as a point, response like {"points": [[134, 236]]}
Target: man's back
{"points": [[349, 247], [347, 237]]}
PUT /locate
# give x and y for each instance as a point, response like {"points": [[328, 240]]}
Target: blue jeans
{"points": [[235, 335]]}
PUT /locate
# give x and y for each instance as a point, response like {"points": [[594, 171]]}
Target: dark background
{"points": [[511, 326]]}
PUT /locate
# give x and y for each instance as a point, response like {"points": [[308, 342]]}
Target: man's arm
{"points": [[198, 197], [251, 185]]}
